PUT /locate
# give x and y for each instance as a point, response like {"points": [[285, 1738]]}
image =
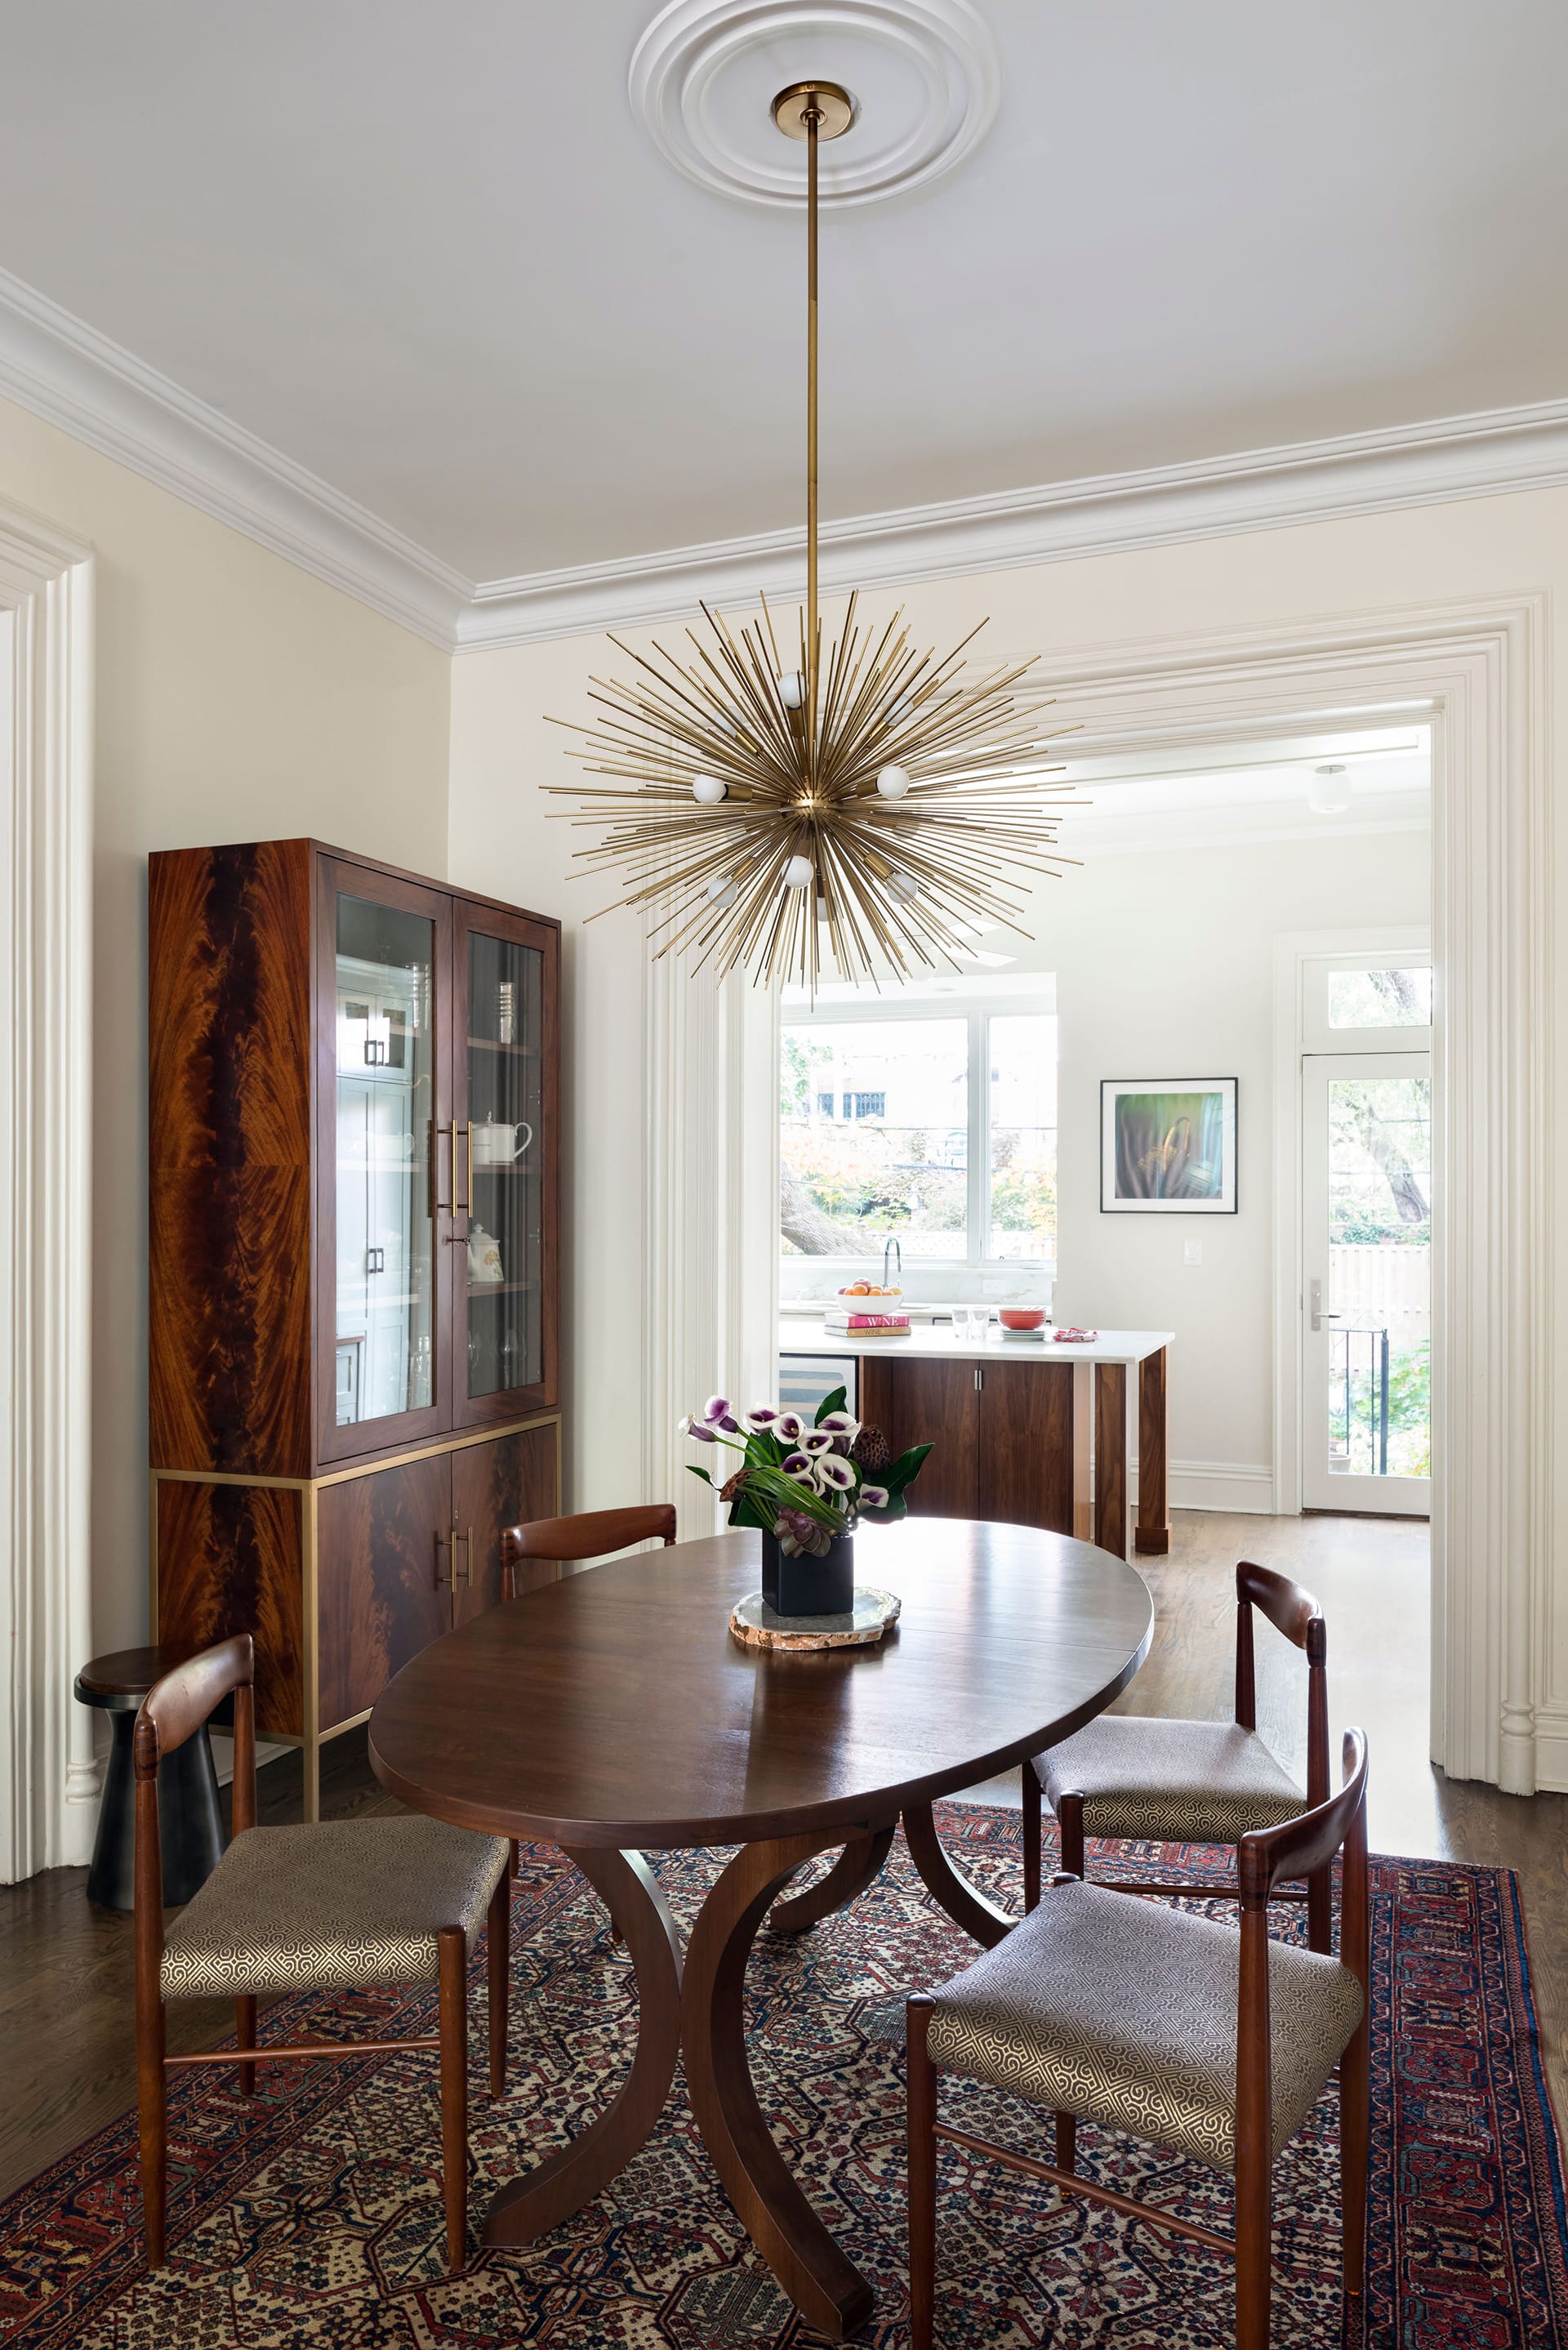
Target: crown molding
{"points": [[1485, 455], [64, 371]]}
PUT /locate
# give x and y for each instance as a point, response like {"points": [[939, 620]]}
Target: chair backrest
{"points": [[592, 1533], [173, 1711], [1292, 1610], [1303, 1847]]}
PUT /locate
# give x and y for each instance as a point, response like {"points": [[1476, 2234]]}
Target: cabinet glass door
{"points": [[380, 1219], [506, 988]]}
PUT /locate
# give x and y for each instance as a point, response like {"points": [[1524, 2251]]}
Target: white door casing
{"points": [[48, 1777], [1478, 670]]}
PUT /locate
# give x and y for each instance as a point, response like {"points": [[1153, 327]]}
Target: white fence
{"points": [[1373, 1285]]}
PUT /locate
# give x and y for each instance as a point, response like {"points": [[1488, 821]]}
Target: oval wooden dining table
{"points": [[613, 1713]]}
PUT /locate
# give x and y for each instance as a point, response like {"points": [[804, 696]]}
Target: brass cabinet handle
{"points": [[446, 1580]]}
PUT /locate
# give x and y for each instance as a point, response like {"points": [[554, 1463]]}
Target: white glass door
{"points": [[1367, 1203]]}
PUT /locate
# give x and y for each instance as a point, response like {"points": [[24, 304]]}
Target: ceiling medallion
{"points": [[777, 790], [703, 73]]}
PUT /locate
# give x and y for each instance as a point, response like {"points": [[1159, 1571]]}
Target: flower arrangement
{"points": [[804, 1485]]}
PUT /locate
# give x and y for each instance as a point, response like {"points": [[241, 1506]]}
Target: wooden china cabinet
{"points": [[354, 1120]]}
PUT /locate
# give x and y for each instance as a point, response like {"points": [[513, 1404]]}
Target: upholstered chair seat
{"points": [[1172, 1781], [1104, 2005], [1122, 2012], [344, 1905]]}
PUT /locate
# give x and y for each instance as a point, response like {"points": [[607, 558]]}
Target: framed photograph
{"points": [[1168, 1146]]}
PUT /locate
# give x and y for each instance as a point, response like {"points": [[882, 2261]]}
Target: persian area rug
{"points": [[312, 2215]]}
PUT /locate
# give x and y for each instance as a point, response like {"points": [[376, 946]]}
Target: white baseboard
{"points": [[1551, 1753], [1240, 1485]]}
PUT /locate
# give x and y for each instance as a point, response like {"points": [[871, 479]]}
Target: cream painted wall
{"points": [[1165, 966], [501, 838], [238, 698]]}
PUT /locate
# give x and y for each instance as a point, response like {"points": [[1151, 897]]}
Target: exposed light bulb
{"points": [[722, 888], [791, 688], [894, 782], [1329, 790], [797, 873], [903, 885], [707, 789]]}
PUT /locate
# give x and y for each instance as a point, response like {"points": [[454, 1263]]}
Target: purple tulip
{"points": [[832, 1471], [817, 1439], [689, 1426], [762, 1418], [874, 1497], [787, 1427], [797, 1466]]}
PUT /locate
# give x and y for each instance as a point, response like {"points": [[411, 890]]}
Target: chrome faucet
{"points": [[891, 1246]]}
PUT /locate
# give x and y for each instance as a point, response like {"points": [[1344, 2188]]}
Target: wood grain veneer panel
{"points": [[229, 1036], [503, 1483], [1026, 1445], [928, 1402], [229, 1560], [1111, 1457], [379, 1570], [1152, 1534]]}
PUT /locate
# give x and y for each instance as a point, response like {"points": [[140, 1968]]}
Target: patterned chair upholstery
{"points": [[1173, 1782], [341, 1906], [1124, 2013], [1102, 2005], [1128, 1776]]}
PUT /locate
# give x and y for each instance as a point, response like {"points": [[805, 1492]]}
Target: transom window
{"points": [[935, 1128]]}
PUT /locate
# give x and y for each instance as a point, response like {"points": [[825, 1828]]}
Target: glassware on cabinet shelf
{"points": [[385, 1108], [506, 1107]]}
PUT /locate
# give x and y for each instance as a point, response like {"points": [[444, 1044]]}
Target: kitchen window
{"points": [[935, 1128]]}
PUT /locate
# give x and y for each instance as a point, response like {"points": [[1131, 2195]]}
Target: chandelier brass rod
{"points": [[812, 123]]}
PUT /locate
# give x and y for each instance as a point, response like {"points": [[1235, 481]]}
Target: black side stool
{"points": [[189, 1816]]}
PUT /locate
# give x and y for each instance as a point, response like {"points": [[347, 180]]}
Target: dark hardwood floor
{"points": [[66, 1968]]}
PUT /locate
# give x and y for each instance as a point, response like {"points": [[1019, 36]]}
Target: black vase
{"points": [[805, 1586]]}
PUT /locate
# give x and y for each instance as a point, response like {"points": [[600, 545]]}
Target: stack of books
{"points": [[867, 1308]]}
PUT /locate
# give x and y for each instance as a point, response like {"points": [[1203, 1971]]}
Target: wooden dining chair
{"points": [[341, 1904], [1173, 2028], [1171, 1782], [592, 1533]]}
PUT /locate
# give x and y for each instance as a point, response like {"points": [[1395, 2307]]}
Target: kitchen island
{"points": [[1027, 1430]]}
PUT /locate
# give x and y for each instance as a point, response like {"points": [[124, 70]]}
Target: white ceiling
{"points": [[428, 253]]}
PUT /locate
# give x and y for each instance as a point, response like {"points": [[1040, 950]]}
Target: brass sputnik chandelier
{"points": [[859, 786]]}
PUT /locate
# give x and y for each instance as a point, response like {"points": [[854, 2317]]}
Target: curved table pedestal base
{"points": [[823, 2282], [979, 1916], [860, 1864], [695, 2008], [575, 2174]]}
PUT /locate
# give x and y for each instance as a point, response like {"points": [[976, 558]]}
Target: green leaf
{"points": [[691, 1471], [906, 1469], [834, 1402]]}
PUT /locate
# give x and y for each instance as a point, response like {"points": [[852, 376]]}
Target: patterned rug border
{"points": [[37, 2217]]}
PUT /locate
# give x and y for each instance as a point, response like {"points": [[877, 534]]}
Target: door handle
{"points": [[441, 1580], [1319, 1318], [468, 1555]]}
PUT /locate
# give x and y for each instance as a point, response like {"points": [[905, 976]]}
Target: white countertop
{"points": [[799, 1335]]}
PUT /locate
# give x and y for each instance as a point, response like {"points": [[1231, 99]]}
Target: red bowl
{"points": [[1021, 1317]]}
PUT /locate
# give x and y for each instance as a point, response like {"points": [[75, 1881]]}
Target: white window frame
{"points": [[977, 1012]]}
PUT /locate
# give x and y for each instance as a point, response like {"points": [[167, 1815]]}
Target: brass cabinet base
{"points": [[340, 1587]]}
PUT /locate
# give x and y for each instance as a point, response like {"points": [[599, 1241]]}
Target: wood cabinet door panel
{"points": [[383, 1569], [927, 1402], [1025, 1454], [502, 1483]]}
